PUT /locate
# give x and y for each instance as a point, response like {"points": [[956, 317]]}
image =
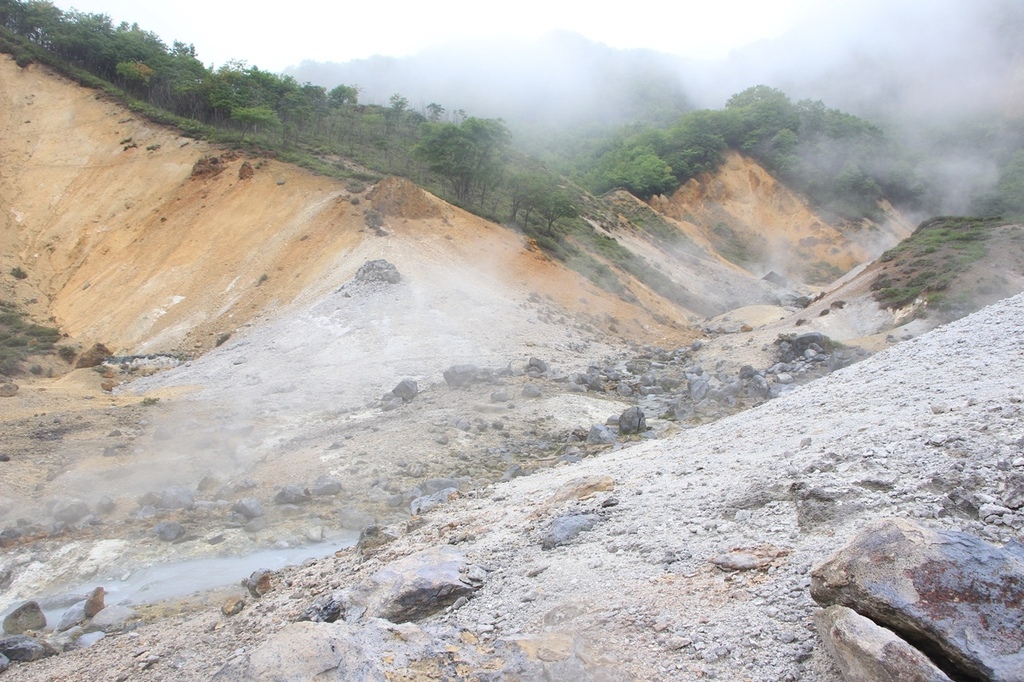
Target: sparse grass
{"points": [[926, 264], [822, 272], [149, 401], [20, 339], [734, 248]]}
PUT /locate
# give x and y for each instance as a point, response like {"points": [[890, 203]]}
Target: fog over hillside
{"points": [[559, 79], [945, 78], [874, 59], [886, 61]]}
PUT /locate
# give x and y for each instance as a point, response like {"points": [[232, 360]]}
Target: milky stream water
{"points": [[160, 582]]}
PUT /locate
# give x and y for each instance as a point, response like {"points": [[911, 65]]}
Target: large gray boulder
{"points": [[176, 497], [111, 619], [460, 375], [565, 528], [28, 616], [632, 420], [308, 651], [600, 435], [249, 507], [70, 511], [24, 648], [417, 586], [955, 596], [867, 652], [407, 389]]}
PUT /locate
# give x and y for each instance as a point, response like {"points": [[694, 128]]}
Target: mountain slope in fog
{"points": [[123, 244]]}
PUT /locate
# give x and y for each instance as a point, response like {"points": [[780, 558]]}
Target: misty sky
{"points": [[325, 31]]}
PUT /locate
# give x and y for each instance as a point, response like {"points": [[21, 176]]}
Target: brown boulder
{"points": [[956, 597], [417, 586], [866, 652], [94, 604], [93, 357], [28, 616]]}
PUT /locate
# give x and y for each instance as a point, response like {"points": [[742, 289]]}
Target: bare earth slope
{"points": [[124, 246], [754, 219]]}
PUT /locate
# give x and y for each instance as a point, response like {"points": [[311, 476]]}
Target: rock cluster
{"points": [[956, 598]]}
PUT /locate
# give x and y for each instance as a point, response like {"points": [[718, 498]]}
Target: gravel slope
{"points": [[914, 431]]}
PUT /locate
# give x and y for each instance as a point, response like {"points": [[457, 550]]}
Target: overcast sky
{"points": [[332, 31]]}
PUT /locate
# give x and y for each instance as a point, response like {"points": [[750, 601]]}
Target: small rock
{"points": [[417, 586], [93, 357], [600, 435], [249, 507], [583, 487], [233, 606], [378, 270], [425, 503], [565, 528], [95, 603], [373, 538], [324, 609], [258, 583], [169, 531], [292, 494], [537, 365], [747, 559], [531, 391], [325, 485], [514, 471], [175, 497], [407, 389], [256, 525], [460, 375], [8, 390]]}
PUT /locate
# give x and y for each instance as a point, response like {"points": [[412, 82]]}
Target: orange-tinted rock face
{"points": [[755, 221]]}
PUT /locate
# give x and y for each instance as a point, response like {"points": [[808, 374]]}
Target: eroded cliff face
{"points": [[755, 221], [131, 236]]}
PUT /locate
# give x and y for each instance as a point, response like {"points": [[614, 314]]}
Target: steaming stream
{"points": [[160, 582]]}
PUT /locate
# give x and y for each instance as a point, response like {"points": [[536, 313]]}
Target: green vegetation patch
{"points": [[20, 339], [927, 264]]}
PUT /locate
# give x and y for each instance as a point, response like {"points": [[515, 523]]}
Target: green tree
{"points": [[553, 205], [342, 95], [434, 112], [637, 169], [253, 118], [468, 157]]}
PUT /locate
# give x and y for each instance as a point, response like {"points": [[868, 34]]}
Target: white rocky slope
{"points": [[930, 429]]}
